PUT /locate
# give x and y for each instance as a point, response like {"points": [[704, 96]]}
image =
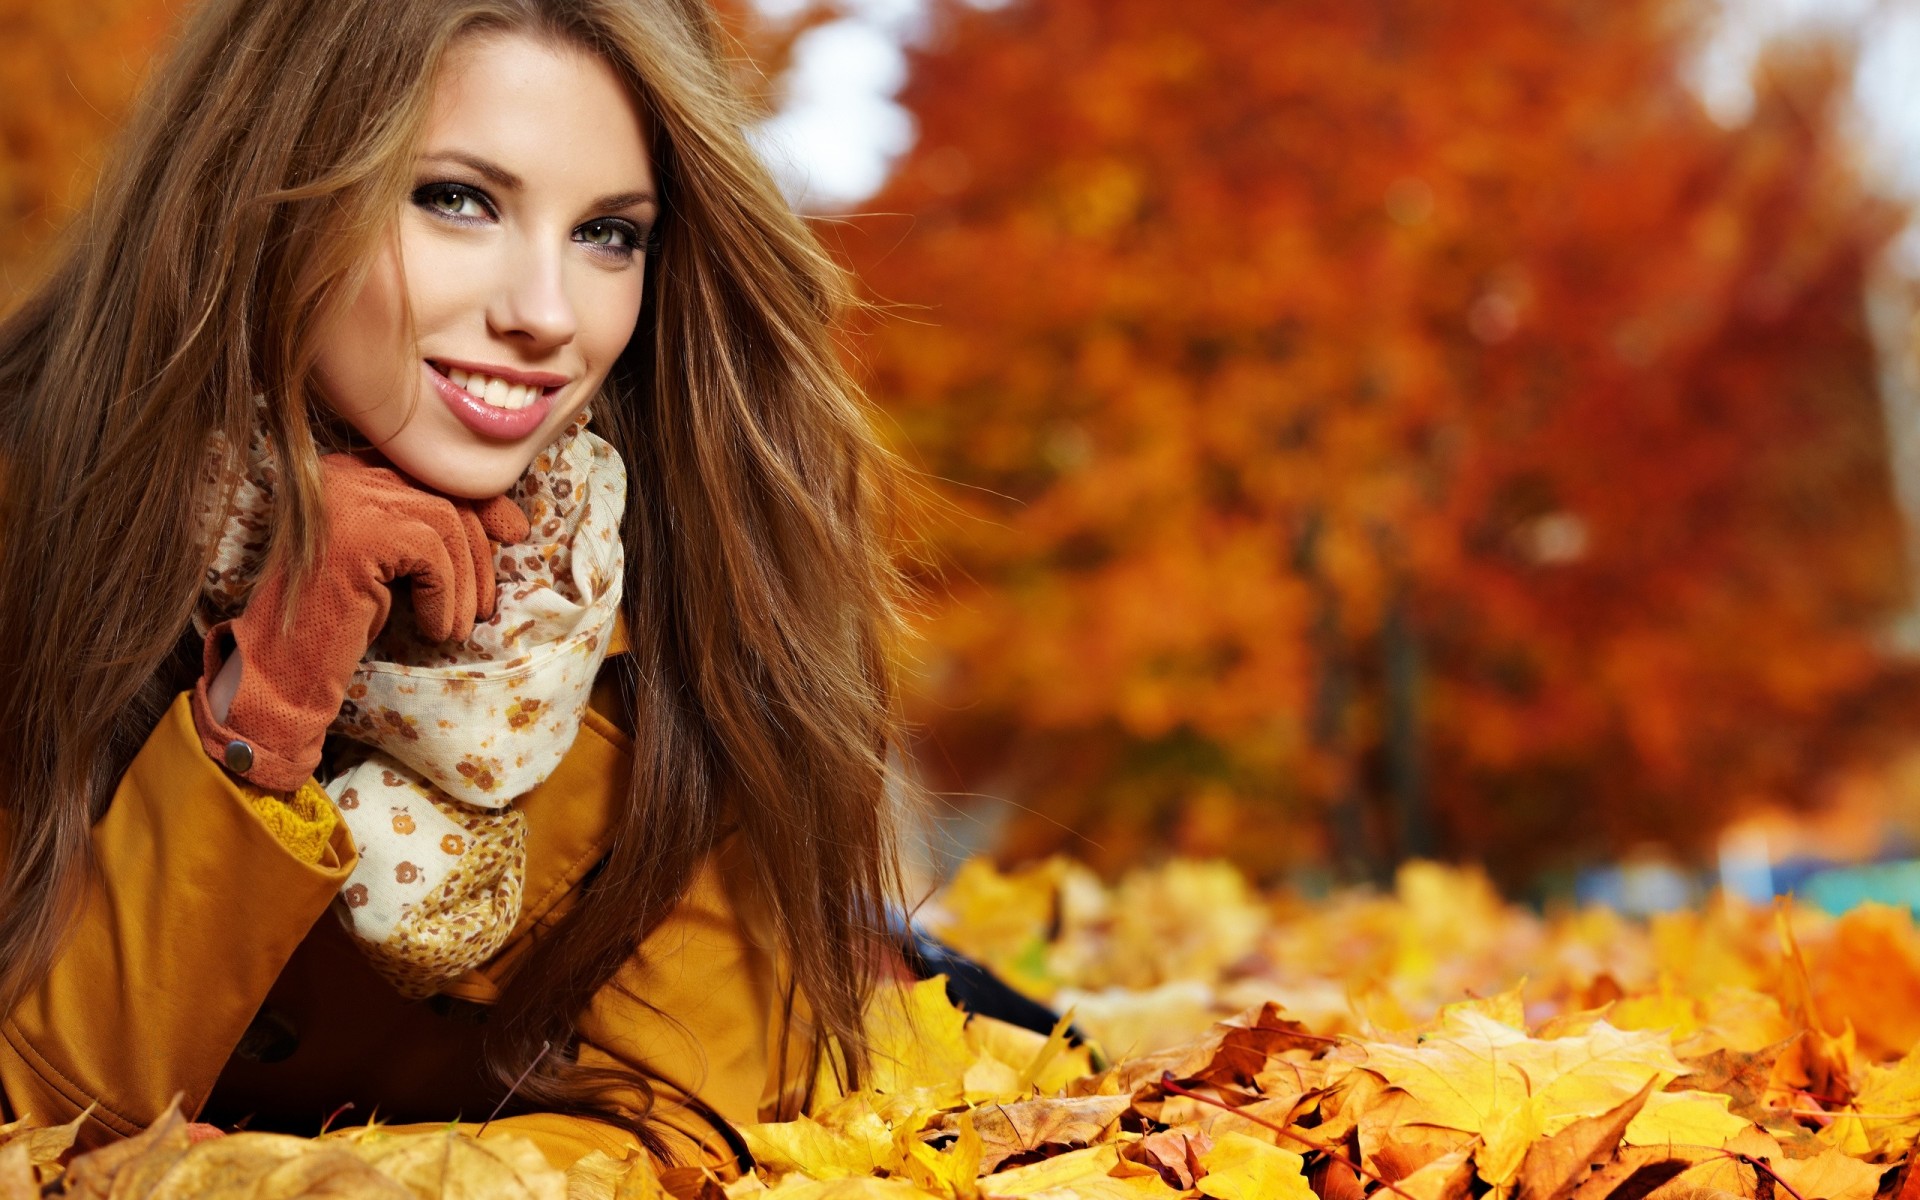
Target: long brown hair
{"points": [[265, 159]]}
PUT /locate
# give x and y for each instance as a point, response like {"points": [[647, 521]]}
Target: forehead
{"points": [[541, 108]]}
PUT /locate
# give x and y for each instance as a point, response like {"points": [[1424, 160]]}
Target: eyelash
{"points": [[640, 240]]}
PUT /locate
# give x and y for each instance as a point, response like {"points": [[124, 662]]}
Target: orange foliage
{"points": [[1418, 419], [68, 74]]}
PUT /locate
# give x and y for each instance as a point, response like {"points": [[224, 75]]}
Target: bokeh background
{"points": [[1347, 431]]}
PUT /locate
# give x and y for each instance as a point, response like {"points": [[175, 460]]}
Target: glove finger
{"points": [[486, 594], [459, 545], [439, 581], [503, 521]]}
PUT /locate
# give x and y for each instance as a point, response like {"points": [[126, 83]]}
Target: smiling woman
{"points": [[586, 822], [519, 255]]}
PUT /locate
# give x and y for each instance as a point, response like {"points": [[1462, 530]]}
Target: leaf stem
{"points": [[1760, 1164], [522, 1078]]}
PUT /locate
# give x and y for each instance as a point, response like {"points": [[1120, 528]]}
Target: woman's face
{"points": [[521, 254]]}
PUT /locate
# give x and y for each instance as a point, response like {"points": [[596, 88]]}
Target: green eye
{"points": [[603, 233], [610, 235], [453, 200]]}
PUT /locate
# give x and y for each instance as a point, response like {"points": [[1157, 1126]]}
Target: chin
{"points": [[448, 475]]}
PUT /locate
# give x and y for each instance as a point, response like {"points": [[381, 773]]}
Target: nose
{"points": [[530, 303]]}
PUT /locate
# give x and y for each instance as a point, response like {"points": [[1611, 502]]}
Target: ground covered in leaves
{"points": [[1428, 1043]]}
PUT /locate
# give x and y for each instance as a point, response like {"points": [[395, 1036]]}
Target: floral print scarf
{"points": [[442, 737]]}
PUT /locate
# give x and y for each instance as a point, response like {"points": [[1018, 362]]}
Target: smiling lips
{"points": [[493, 389], [496, 406]]}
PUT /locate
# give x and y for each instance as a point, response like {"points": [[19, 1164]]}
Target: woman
{"points": [[328, 775]]}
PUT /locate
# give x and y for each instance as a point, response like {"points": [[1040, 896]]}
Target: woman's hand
{"points": [[263, 710]]}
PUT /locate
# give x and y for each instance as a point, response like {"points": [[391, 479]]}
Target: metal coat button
{"points": [[239, 757]]}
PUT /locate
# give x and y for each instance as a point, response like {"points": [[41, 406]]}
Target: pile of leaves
{"points": [[1732, 1051]]}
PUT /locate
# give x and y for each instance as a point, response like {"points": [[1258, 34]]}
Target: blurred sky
{"points": [[840, 129]]}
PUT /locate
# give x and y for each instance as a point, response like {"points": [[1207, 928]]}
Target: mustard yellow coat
{"points": [[201, 928]]}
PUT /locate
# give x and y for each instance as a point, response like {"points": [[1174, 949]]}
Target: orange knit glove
{"points": [[380, 527]]}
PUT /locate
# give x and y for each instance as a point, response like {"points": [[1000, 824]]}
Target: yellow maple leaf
{"points": [[1885, 1116], [950, 1172], [859, 1145], [1060, 1171], [795, 1188], [1244, 1168], [1685, 1119], [1479, 1076], [1508, 1008], [1045, 1063], [919, 1048]]}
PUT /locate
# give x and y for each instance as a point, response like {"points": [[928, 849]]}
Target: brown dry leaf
{"points": [[1007, 1130], [1830, 1176], [229, 1167], [1256, 1119], [1232, 1054], [601, 1176], [1350, 1095], [46, 1143], [1742, 1076], [17, 1180], [324, 1173], [1449, 1177], [1333, 1179], [451, 1165], [1173, 1154], [1638, 1170], [692, 1183], [1291, 1073], [143, 1158], [1554, 1166], [1722, 1170], [1395, 1141]]}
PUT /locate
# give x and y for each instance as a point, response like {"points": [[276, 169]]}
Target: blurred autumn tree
{"points": [[68, 72], [1382, 426]]}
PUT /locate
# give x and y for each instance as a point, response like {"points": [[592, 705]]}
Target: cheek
{"points": [[607, 318], [363, 351], [447, 283]]}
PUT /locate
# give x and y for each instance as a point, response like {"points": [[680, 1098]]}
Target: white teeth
{"points": [[496, 392]]}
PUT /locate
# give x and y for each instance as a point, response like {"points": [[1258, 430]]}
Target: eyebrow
{"points": [[500, 177]]}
